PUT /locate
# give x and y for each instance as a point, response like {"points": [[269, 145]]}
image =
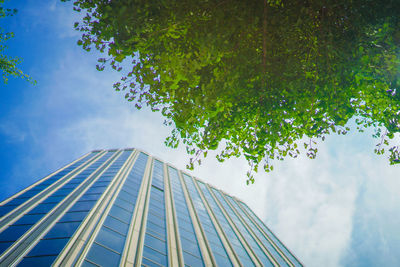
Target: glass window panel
{"points": [[13, 232], [53, 199], [49, 182], [154, 217], [86, 263], [203, 218], [195, 253], [187, 227], [221, 260], [37, 261], [156, 234], [76, 181], [147, 262], [104, 179], [101, 183], [156, 207], [189, 245], [158, 185], [79, 176], [180, 207], [29, 219], [29, 193], [156, 227], [130, 187], [126, 196], [86, 197], [66, 229], [183, 214], [70, 185], [123, 204], [180, 199], [134, 181], [62, 192], [73, 216], [185, 223], [158, 202], [155, 243], [192, 260], [103, 256], [42, 208], [156, 190], [246, 262], [154, 255], [157, 212], [116, 225], [185, 234], [233, 239], [110, 174], [16, 201], [96, 190], [158, 198], [121, 214], [4, 246], [83, 206], [111, 239], [47, 247], [217, 248], [186, 219], [5, 209]]}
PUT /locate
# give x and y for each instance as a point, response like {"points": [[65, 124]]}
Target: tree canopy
{"points": [[254, 77], [8, 65]]}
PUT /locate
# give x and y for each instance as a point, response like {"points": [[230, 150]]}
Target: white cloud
{"points": [[12, 133], [374, 240], [52, 17], [310, 209]]}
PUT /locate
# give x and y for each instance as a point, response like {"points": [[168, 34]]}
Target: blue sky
{"points": [[341, 209]]}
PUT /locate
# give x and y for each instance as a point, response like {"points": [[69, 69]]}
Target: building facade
{"points": [[126, 208]]}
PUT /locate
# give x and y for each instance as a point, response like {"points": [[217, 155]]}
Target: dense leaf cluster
{"points": [[254, 76]]}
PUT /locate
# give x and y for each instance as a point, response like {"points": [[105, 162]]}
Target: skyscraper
{"points": [[126, 208]]}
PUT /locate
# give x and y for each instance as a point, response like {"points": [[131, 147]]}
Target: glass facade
{"points": [[14, 231], [257, 232], [189, 243], [109, 243], [125, 208], [60, 233], [238, 246], [214, 240], [16, 201], [271, 235], [155, 242], [244, 230]]}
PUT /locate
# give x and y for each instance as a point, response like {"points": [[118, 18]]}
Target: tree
{"points": [[8, 65], [254, 77]]}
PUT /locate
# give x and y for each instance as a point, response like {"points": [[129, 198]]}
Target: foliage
{"points": [[256, 77], [8, 65]]}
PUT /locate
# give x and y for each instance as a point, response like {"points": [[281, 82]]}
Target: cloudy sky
{"points": [[341, 209]]}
